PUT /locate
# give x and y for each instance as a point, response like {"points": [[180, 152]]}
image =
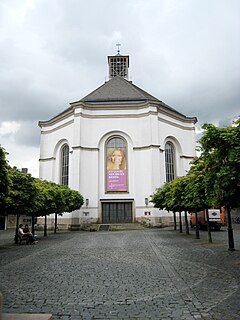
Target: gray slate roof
{"points": [[118, 89]]}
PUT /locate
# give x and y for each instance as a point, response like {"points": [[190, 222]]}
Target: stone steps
{"points": [[126, 226], [115, 226]]}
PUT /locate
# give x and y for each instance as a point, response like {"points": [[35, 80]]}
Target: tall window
{"points": [[64, 164], [116, 165], [169, 161]]}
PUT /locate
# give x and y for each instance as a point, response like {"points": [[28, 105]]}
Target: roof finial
{"points": [[118, 45]]}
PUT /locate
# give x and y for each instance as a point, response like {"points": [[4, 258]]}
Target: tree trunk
{"points": [[175, 221], [45, 226], [186, 222], [230, 229], [33, 224], [55, 223], [16, 230], [180, 221], [197, 225], [208, 227]]}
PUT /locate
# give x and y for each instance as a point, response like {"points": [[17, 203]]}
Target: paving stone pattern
{"points": [[137, 274]]}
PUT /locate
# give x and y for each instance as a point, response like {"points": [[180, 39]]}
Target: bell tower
{"points": [[118, 65]]}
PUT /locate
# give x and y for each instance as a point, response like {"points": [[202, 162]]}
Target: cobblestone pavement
{"points": [[138, 274]]}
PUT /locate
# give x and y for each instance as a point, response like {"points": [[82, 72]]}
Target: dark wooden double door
{"points": [[116, 212]]}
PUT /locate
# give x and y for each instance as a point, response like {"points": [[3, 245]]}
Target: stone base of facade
{"points": [[155, 222], [85, 223], [66, 223]]}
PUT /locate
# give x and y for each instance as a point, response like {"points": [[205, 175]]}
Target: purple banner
{"points": [[116, 180]]}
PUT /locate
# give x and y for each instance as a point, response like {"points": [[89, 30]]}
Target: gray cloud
{"points": [[186, 53]]}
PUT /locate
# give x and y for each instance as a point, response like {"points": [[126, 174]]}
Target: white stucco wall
{"points": [[86, 131]]}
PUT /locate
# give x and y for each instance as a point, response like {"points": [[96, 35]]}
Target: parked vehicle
{"points": [[216, 219]]}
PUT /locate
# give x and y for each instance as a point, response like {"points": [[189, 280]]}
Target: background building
{"points": [[116, 146]]}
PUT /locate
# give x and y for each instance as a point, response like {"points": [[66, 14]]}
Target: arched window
{"points": [[64, 164], [169, 161], [116, 143], [116, 165]]}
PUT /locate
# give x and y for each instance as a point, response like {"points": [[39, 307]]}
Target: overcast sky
{"points": [[52, 52]]}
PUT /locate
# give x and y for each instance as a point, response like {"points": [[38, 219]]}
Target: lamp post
{"points": [[146, 202]]}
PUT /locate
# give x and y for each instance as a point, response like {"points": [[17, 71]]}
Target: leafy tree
{"points": [[68, 201], [21, 197], [179, 202], [74, 199], [44, 201], [4, 180], [172, 197], [197, 198], [53, 198], [213, 179], [22, 193], [220, 149], [162, 199]]}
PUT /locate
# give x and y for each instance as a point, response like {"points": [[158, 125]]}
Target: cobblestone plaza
{"points": [[132, 274]]}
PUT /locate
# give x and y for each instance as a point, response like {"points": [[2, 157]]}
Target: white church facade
{"points": [[116, 146]]}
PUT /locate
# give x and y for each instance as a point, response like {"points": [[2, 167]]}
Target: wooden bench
{"points": [[22, 238]]}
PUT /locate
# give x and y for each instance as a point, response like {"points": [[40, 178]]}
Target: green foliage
{"points": [[199, 190], [54, 198], [74, 200], [180, 201], [214, 177], [22, 193], [221, 152], [4, 179], [160, 197]]}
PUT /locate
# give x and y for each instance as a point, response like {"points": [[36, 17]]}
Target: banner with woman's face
{"points": [[116, 169]]}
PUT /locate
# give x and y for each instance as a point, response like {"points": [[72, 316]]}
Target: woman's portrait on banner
{"points": [[116, 159]]}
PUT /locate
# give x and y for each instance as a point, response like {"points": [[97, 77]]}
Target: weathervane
{"points": [[118, 45]]}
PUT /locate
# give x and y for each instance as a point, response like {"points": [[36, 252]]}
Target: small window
{"points": [[64, 164], [169, 161]]}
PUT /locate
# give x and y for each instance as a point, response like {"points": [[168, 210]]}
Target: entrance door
{"points": [[116, 212]]}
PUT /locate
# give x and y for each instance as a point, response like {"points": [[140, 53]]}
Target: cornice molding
{"points": [[72, 111], [47, 159], [150, 146], [111, 106], [58, 127], [187, 157], [176, 115], [62, 116], [85, 148], [107, 116], [176, 124]]}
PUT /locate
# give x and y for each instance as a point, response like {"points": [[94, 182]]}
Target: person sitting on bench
{"points": [[28, 234], [27, 230]]}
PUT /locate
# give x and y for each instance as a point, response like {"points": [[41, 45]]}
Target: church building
{"points": [[116, 146]]}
